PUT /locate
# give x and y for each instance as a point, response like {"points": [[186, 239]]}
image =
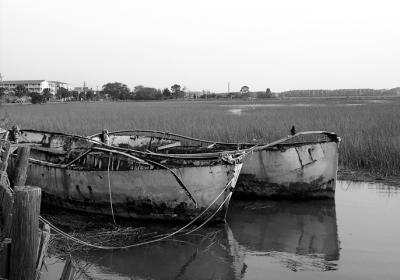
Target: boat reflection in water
{"points": [[282, 234], [299, 235], [205, 254]]}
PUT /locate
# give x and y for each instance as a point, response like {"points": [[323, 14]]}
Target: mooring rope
{"points": [[205, 222], [109, 189], [68, 236]]}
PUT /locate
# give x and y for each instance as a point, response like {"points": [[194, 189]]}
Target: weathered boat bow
{"points": [[303, 165]]}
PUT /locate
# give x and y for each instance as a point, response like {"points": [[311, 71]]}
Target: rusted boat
{"points": [[77, 173], [303, 165]]}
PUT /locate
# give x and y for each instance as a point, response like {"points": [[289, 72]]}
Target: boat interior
{"points": [[169, 143], [75, 151]]}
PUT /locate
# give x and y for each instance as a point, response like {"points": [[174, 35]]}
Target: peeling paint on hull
{"points": [[306, 171], [139, 194]]}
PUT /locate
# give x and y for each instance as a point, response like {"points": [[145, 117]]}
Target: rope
{"points": [[68, 236], [219, 208], [109, 189]]}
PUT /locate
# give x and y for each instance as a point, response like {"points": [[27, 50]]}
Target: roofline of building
{"points": [[22, 81], [31, 81]]}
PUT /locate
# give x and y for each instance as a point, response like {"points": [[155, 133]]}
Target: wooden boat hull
{"points": [[304, 171], [139, 194], [80, 174], [300, 166]]}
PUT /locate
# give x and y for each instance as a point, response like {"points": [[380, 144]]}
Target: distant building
{"points": [[35, 85]]}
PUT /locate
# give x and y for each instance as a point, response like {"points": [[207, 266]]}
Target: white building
{"points": [[35, 85]]}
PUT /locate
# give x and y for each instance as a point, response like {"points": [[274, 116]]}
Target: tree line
{"points": [[113, 91], [338, 92], [119, 91]]}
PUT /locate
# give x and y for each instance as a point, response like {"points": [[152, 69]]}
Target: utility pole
{"points": [[228, 88]]}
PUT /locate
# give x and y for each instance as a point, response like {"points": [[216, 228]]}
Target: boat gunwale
{"points": [[198, 156], [253, 147]]}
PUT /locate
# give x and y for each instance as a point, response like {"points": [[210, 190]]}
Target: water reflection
{"points": [[205, 255], [239, 109], [298, 236]]}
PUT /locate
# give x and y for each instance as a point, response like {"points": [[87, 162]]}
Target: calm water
{"points": [[357, 236], [240, 109]]}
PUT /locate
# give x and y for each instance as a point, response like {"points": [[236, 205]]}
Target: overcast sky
{"points": [[203, 44]]}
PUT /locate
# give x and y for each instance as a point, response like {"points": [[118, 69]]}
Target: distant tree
{"points": [[74, 94], [90, 95], [20, 91], [175, 88], [159, 95], [59, 93], [177, 92], [63, 93], [145, 93], [2, 92], [116, 90], [82, 96], [166, 93], [244, 90], [268, 93], [37, 98], [47, 95]]}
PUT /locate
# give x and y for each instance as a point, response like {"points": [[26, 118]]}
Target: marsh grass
{"points": [[370, 131]]}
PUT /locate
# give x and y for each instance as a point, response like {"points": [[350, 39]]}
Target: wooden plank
{"points": [[25, 233], [22, 166]]}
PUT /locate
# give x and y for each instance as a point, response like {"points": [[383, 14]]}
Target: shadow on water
{"points": [[297, 235]]}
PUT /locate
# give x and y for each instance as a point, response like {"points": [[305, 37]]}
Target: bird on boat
{"points": [[293, 130]]}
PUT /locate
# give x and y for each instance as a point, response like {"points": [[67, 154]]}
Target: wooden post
{"points": [[25, 233], [68, 271], [5, 249], [22, 166], [7, 205]]}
